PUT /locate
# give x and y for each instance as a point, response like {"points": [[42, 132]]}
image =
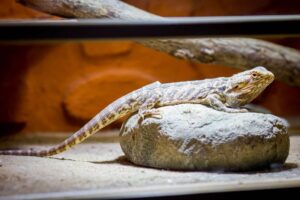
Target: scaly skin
{"points": [[223, 94]]}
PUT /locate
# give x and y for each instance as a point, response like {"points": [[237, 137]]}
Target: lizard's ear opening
{"points": [[236, 87]]}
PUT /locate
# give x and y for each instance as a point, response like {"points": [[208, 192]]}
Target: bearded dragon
{"points": [[226, 94]]}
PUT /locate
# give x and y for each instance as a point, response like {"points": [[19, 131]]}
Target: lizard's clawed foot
{"points": [[151, 113], [243, 110]]}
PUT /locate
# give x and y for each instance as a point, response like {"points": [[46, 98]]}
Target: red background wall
{"points": [[59, 86]]}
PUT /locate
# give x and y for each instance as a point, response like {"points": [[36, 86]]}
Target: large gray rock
{"points": [[195, 137]]}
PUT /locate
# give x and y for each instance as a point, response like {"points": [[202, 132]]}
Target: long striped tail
{"points": [[89, 129], [110, 114]]}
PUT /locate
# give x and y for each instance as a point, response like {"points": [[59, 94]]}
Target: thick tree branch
{"points": [[242, 53]]}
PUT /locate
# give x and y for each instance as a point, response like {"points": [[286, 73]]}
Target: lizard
{"points": [[226, 94]]}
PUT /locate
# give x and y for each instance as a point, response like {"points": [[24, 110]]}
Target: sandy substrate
{"points": [[97, 168]]}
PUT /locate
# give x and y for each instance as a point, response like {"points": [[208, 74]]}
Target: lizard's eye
{"points": [[254, 75]]}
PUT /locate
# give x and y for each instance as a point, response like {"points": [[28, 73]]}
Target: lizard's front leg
{"points": [[147, 109], [213, 100]]}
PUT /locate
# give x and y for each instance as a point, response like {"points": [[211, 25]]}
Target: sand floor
{"points": [[97, 168]]}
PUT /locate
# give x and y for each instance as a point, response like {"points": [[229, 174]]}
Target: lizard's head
{"points": [[243, 87]]}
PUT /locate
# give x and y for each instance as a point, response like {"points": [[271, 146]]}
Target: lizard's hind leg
{"points": [[148, 108], [153, 113]]}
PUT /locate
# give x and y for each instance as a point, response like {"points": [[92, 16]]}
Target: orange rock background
{"points": [[59, 86]]}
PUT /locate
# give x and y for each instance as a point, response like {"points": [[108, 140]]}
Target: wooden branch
{"points": [[242, 53]]}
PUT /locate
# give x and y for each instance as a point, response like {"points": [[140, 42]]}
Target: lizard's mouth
{"points": [[253, 89]]}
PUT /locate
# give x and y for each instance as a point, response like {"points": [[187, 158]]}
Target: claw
{"points": [[236, 110], [140, 118]]}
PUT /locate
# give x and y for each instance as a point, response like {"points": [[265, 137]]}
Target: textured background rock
{"points": [[39, 81], [195, 137]]}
